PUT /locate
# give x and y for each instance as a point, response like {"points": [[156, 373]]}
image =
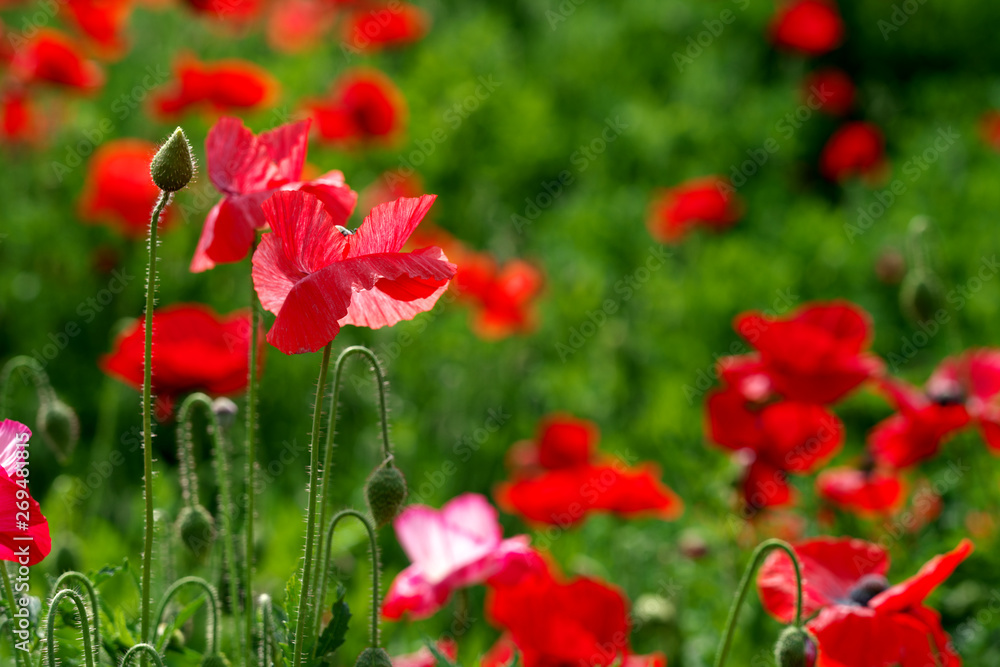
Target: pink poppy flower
{"points": [[457, 546], [248, 169], [14, 537], [317, 276]]}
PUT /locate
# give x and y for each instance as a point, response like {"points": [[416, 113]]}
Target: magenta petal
{"points": [[410, 593]]}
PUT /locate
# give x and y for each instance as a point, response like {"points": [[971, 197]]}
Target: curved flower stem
{"points": [[11, 607], [81, 608], [338, 369], [91, 593], [147, 418], [148, 649], [251, 437], [373, 545], [755, 560], [38, 375], [301, 620], [213, 601], [189, 483]]}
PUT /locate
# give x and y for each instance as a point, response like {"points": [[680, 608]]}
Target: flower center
{"points": [[867, 588]]}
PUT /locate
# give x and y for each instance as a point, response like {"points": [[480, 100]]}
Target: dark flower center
{"points": [[947, 393], [867, 588]]}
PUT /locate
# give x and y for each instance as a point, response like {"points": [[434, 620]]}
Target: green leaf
{"points": [[334, 633], [107, 572], [182, 617]]}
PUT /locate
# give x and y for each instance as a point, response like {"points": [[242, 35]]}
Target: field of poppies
{"points": [[499, 333]]}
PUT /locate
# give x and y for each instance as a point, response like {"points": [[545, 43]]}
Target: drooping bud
{"points": [[172, 167], [225, 410], [920, 295], [795, 648], [386, 492], [373, 657], [59, 427], [215, 660], [196, 529]]}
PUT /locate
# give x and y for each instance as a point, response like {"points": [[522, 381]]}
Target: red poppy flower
{"points": [[17, 117], [864, 492], [52, 57], [103, 21], [504, 296], [817, 355], [363, 107], [15, 534], [862, 621], [830, 89], [424, 657], [561, 479], [710, 202], [237, 11], [247, 169], [553, 624], [372, 27], [220, 87], [193, 350], [811, 27], [777, 437], [316, 278], [298, 25], [961, 390], [119, 190], [857, 148]]}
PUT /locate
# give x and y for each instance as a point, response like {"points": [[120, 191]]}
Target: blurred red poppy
{"points": [[582, 621], [298, 25], [374, 26], [53, 57], [560, 479], [194, 349], [710, 202], [219, 87], [17, 537], [810, 27], [830, 90], [776, 437], [103, 21], [989, 129], [864, 492], [119, 191], [816, 355], [18, 117], [316, 278], [247, 169], [364, 107], [856, 149], [862, 621], [961, 390], [237, 11]]}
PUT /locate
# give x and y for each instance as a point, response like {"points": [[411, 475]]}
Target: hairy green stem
{"points": [[324, 503], [147, 418], [147, 649], [95, 610], [251, 437], [303, 615], [213, 602], [755, 560], [267, 642], [376, 567], [11, 608], [81, 608]]}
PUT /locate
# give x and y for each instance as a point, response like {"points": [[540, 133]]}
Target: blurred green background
{"points": [[638, 376]]}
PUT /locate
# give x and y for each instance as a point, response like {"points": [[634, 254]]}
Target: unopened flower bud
{"points": [[386, 492], [373, 657], [59, 427], [172, 167], [225, 410], [795, 648], [920, 295], [196, 528]]}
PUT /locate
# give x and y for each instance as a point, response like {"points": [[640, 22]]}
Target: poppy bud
{"points": [[172, 167], [225, 410], [795, 648], [59, 427], [373, 657], [215, 660], [386, 492], [920, 295], [196, 528]]}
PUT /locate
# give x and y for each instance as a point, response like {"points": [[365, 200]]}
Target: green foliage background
{"points": [[564, 69]]}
